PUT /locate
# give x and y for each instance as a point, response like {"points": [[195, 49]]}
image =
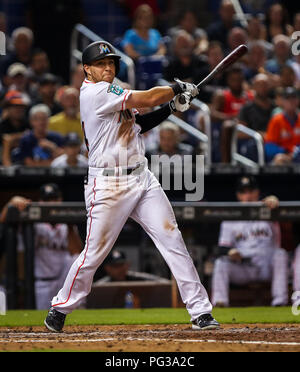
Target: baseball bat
{"points": [[223, 65]]}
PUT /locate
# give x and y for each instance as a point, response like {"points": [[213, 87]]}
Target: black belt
{"points": [[45, 279]]}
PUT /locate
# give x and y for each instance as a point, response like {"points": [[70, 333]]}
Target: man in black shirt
{"points": [[184, 64], [257, 113]]}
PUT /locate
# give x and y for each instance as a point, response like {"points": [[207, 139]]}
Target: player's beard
{"points": [[97, 77]]}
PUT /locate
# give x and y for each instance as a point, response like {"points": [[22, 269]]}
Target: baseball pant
{"points": [[296, 266], [274, 270], [110, 201]]}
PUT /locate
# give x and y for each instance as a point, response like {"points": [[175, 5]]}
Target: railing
{"points": [[75, 54], [202, 137], [240, 15], [238, 158]]}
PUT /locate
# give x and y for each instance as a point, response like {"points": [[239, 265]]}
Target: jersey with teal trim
{"points": [[112, 137]]}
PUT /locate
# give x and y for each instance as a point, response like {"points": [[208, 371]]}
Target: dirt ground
{"points": [[154, 338]]}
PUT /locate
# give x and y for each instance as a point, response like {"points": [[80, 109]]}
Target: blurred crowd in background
{"points": [[40, 107]]}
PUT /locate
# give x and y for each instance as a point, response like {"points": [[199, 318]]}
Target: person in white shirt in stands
{"points": [[72, 156]]}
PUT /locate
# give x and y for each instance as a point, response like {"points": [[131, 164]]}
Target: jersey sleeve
{"points": [[225, 237], [110, 98]]}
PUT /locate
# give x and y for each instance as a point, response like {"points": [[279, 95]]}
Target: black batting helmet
{"points": [[99, 50], [50, 191]]}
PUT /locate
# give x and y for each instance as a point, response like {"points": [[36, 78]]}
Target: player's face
{"points": [[102, 70], [117, 271], [248, 195]]}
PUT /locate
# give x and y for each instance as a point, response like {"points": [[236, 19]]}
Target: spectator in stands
{"points": [[132, 6], [169, 141], [226, 106], [256, 29], [188, 22], [142, 39], [287, 77], [227, 103], [77, 76], [22, 39], [219, 30], [283, 132], [282, 50], [277, 22], [57, 246], [184, 64], [72, 156], [47, 87], [116, 267], [39, 146], [257, 32], [13, 123], [256, 114], [236, 37], [256, 60], [250, 252], [296, 22], [69, 119], [39, 66], [18, 78]]}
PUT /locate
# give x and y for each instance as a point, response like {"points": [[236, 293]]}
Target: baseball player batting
{"points": [[122, 186]]}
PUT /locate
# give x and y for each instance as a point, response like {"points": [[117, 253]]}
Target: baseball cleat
{"points": [[55, 320], [205, 322]]}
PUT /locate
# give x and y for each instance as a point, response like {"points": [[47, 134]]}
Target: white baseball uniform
{"points": [[258, 243], [114, 142], [296, 270], [52, 261]]}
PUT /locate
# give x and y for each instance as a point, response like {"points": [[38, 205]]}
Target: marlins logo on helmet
{"points": [[104, 48]]}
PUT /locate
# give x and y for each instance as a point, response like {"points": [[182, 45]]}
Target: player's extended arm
{"points": [[159, 95]]}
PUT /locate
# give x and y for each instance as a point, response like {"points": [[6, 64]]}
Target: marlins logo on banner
{"points": [[104, 48]]}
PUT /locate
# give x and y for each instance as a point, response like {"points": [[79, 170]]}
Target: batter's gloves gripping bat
{"points": [[187, 87], [175, 104]]}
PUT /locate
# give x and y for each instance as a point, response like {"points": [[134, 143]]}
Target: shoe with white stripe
{"points": [[205, 322]]}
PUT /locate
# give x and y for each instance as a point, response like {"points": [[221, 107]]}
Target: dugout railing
{"points": [[187, 214]]}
